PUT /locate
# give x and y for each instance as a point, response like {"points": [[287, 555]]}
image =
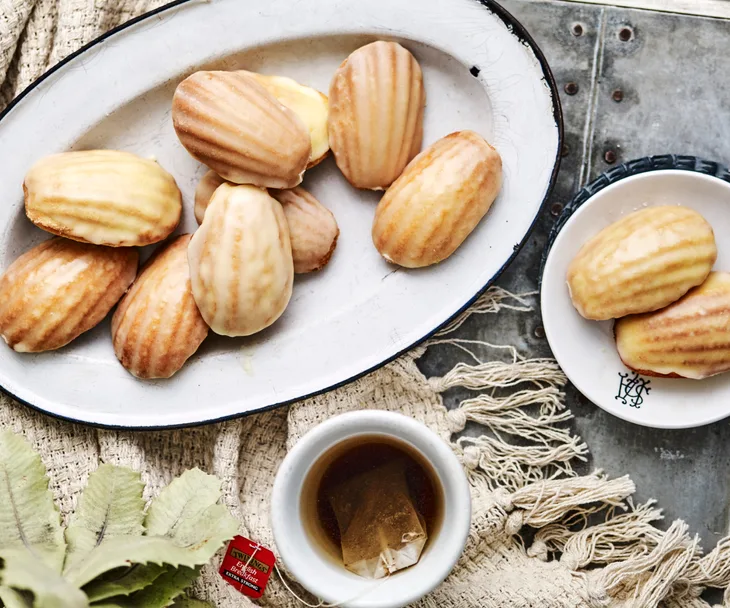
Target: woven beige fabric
{"points": [[516, 485]]}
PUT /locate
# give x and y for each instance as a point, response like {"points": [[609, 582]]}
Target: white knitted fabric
{"points": [[528, 483]]}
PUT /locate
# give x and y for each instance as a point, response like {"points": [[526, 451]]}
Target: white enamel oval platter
{"points": [[586, 350], [357, 313]]}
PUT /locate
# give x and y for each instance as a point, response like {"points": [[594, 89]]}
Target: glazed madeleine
{"points": [[203, 193], [375, 123], [240, 259], [104, 197], [312, 229], [643, 262], [438, 200], [60, 289], [157, 326], [689, 338], [232, 124], [311, 106]]}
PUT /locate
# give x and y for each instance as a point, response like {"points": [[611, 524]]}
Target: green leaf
{"points": [[163, 592], [21, 571], [181, 602], [179, 509], [124, 581], [110, 506], [29, 520], [184, 500], [196, 541], [186, 497]]}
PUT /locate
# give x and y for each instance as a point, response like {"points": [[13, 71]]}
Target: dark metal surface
{"points": [[647, 83]]}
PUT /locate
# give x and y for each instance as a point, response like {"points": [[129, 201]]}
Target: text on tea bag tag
{"points": [[247, 566]]}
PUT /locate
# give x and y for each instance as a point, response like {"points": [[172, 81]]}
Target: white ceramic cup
{"points": [[331, 581]]}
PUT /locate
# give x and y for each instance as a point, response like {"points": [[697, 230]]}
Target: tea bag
{"points": [[381, 531]]}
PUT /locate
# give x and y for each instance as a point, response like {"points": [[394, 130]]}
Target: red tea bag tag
{"points": [[247, 566]]}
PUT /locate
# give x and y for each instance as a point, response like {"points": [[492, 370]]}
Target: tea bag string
{"points": [[321, 604]]}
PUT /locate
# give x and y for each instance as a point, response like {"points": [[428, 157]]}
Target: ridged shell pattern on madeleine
{"points": [[240, 259], [60, 289], [643, 262], [157, 326], [105, 197], [438, 200], [232, 124], [312, 229], [375, 125], [689, 339], [311, 106]]}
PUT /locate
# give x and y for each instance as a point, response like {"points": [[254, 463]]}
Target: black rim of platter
{"points": [[619, 172]]}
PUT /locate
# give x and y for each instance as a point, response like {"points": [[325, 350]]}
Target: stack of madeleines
{"points": [[257, 134], [652, 272]]}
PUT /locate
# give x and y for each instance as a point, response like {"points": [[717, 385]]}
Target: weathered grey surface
{"points": [[709, 8], [676, 89]]}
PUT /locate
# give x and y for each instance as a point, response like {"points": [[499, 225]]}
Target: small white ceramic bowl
{"points": [[330, 581], [586, 350]]}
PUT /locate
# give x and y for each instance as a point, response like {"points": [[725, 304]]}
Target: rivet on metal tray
{"points": [[556, 208], [625, 34], [539, 331], [617, 96], [571, 88], [565, 150], [609, 156], [577, 29]]}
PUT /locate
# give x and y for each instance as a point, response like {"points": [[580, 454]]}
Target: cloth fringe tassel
{"points": [[710, 570], [621, 537], [645, 580]]}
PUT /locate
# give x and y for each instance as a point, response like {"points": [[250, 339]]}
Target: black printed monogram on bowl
{"points": [[632, 388]]}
